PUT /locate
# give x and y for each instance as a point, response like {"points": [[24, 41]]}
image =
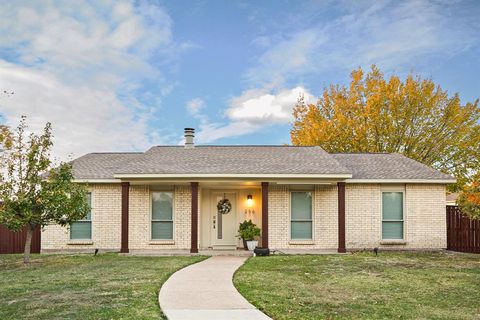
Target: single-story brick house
{"points": [[302, 198]]}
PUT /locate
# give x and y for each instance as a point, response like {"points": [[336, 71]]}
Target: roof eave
{"points": [[96, 180], [222, 175]]}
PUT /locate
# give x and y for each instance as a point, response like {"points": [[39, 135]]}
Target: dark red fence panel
{"points": [[463, 233], [14, 242]]}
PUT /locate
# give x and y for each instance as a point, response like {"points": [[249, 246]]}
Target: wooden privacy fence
{"points": [[463, 233], [14, 242]]}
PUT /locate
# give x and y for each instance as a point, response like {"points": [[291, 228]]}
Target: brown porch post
{"points": [[341, 217], [265, 214], [194, 231], [124, 233]]}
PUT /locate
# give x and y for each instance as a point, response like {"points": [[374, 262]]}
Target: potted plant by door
{"points": [[248, 231]]}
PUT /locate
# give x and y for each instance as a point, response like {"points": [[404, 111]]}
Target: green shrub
{"points": [[248, 230]]}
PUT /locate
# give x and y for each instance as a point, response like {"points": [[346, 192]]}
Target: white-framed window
{"points": [[82, 229], [392, 215], [301, 215], [162, 215]]}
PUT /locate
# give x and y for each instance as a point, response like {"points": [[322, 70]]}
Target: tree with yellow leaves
{"points": [[469, 199], [413, 117]]}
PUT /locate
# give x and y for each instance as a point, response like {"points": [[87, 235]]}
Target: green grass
{"points": [[108, 286], [362, 286]]}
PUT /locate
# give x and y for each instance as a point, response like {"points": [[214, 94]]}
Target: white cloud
{"points": [[56, 36], [84, 119], [79, 67], [210, 132], [252, 111], [195, 105], [260, 106]]}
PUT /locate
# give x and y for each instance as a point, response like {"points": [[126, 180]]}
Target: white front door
{"points": [[223, 225]]}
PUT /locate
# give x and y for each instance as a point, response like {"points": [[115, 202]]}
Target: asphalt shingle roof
{"points": [[235, 160], [386, 166], [251, 160], [102, 165]]}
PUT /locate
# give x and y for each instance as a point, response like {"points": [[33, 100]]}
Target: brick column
{"points": [[265, 214], [341, 217], [124, 233], [194, 231]]}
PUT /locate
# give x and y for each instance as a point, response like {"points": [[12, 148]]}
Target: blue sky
{"points": [[124, 75]]}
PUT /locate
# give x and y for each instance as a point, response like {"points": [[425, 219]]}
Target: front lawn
{"points": [[108, 286], [392, 285]]}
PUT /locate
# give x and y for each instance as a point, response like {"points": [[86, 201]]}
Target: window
{"points": [[301, 216], [82, 229], [392, 215], [162, 215]]}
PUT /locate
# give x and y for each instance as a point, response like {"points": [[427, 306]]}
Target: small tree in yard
{"points": [[32, 193]]}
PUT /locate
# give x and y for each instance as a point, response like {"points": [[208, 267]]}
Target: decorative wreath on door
{"points": [[224, 206]]}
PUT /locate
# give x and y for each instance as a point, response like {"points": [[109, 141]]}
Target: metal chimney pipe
{"points": [[189, 134]]}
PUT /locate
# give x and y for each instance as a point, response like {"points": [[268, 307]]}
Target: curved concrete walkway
{"points": [[205, 291]]}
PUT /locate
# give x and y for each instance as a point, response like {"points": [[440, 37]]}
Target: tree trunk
{"points": [[28, 245]]}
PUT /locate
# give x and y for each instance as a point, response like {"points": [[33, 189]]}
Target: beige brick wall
{"points": [[278, 217], [106, 223], [183, 216], [424, 216], [139, 217], [425, 225], [362, 215], [325, 219], [140, 220]]}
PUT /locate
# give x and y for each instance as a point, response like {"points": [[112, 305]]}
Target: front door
{"points": [[224, 224]]}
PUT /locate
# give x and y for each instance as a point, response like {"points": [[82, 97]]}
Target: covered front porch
{"points": [[197, 226]]}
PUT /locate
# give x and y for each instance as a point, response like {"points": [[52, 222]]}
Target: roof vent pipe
{"points": [[189, 134]]}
